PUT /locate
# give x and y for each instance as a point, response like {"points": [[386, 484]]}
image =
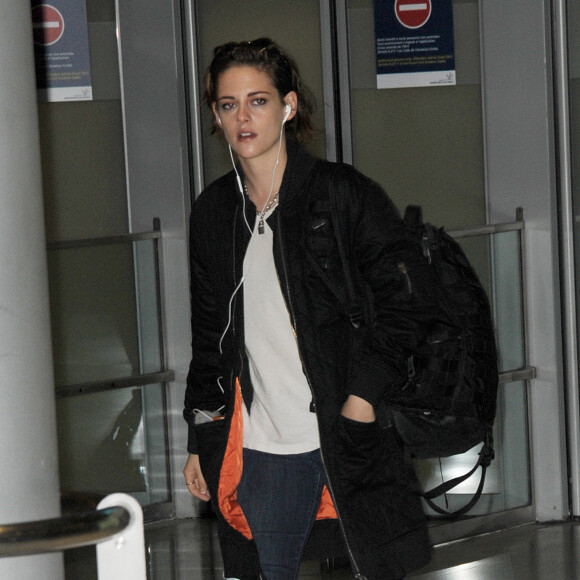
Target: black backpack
{"points": [[448, 404]]}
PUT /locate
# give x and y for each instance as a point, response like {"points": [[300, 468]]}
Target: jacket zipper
{"points": [[358, 574], [233, 311], [235, 299]]}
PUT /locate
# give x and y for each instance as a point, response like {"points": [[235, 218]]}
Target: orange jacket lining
{"points": [[231, 474]]}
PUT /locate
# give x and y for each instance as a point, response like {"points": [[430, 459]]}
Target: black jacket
{"points": [[379, 515]]}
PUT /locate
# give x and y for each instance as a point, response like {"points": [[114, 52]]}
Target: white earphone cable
{"points": [[241, 188], [260, 216]]}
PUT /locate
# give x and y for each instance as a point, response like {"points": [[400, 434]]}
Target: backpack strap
{"points": [[413, 215], [486, 455]]}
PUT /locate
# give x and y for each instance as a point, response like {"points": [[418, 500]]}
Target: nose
{"points": [[242, 113]]}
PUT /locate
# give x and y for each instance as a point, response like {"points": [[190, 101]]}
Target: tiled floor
{"points": [[188, 550]]}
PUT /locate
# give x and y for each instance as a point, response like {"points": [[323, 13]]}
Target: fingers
{"points": [[198, 488], [194, 478]]}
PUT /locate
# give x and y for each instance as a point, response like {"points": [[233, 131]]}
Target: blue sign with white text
{"points": [[61, 50], [414, 43]]}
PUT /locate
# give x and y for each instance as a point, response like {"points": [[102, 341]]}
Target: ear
{"points": [[291, 99], [216, 116]]}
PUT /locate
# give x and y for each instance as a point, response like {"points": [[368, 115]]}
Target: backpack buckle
{"points": [[487, 454], [355, 316]]}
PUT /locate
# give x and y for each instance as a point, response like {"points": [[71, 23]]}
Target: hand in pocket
{"points": [[361, 454]]}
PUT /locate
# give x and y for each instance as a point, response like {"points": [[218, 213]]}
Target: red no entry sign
{"points": [[413, 13], [47, 24]]}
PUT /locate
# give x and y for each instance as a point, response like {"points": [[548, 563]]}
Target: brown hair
{"points": [[267, 56]]}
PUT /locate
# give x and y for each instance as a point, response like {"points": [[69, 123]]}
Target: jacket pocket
{"points": [[361, 455], [211, 438], [372, 483]]}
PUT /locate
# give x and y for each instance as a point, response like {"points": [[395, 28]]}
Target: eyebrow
{"points": [[253, 94]]}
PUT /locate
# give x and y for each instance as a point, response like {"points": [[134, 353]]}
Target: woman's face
{"points": [[250, 112]]}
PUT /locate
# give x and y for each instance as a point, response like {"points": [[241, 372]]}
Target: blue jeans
{"points": [[280, 496]]}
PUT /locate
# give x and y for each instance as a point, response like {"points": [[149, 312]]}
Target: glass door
{"points": [[425, 146], [104, 290]]}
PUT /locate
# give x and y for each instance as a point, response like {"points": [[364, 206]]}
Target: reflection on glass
{"points": [[105, 312], [508, 292], [103, 447], [148, 307], [497, 262]]}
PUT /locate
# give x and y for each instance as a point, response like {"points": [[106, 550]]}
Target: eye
{"points": [[260, 101], [227, 106]]}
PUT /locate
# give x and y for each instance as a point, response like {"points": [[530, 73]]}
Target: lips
{"points": [[246, 136]]}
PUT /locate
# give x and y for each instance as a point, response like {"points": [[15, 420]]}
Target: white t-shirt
{"points": [[280, 420]]}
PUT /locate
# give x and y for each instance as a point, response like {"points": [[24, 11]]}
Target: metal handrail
{"points": [[114, 383], [63, 391], [525, 374], [157, 234], [488, 230], [103, 241], [528, 372], [57, 534], [115, 528]]}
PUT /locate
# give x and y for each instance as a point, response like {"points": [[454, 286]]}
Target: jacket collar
{"points": [[299, 164], [298, 168]]}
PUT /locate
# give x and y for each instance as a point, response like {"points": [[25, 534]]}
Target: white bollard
{"points": [[123, 555]]}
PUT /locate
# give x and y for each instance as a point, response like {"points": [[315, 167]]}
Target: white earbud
{"points": [[219, 121], [288, 111]]}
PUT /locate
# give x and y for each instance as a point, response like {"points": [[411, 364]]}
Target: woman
{"points": [[288, 433]]}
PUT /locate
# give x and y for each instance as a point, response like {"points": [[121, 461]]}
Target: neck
{"points": [[263, 178]]}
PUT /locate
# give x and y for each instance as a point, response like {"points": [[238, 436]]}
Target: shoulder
{"points": [[220, 191], [352, 189], [212, 214], [216, 201], [348, 175]]}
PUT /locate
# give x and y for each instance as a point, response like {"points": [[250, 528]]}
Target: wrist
{"points": [[358, 409]]}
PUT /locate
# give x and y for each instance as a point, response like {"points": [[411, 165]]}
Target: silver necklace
{"points": [[269, 205]]}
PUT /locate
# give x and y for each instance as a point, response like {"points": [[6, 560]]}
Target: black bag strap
{"points": [[485, 457], [413, 215]]}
